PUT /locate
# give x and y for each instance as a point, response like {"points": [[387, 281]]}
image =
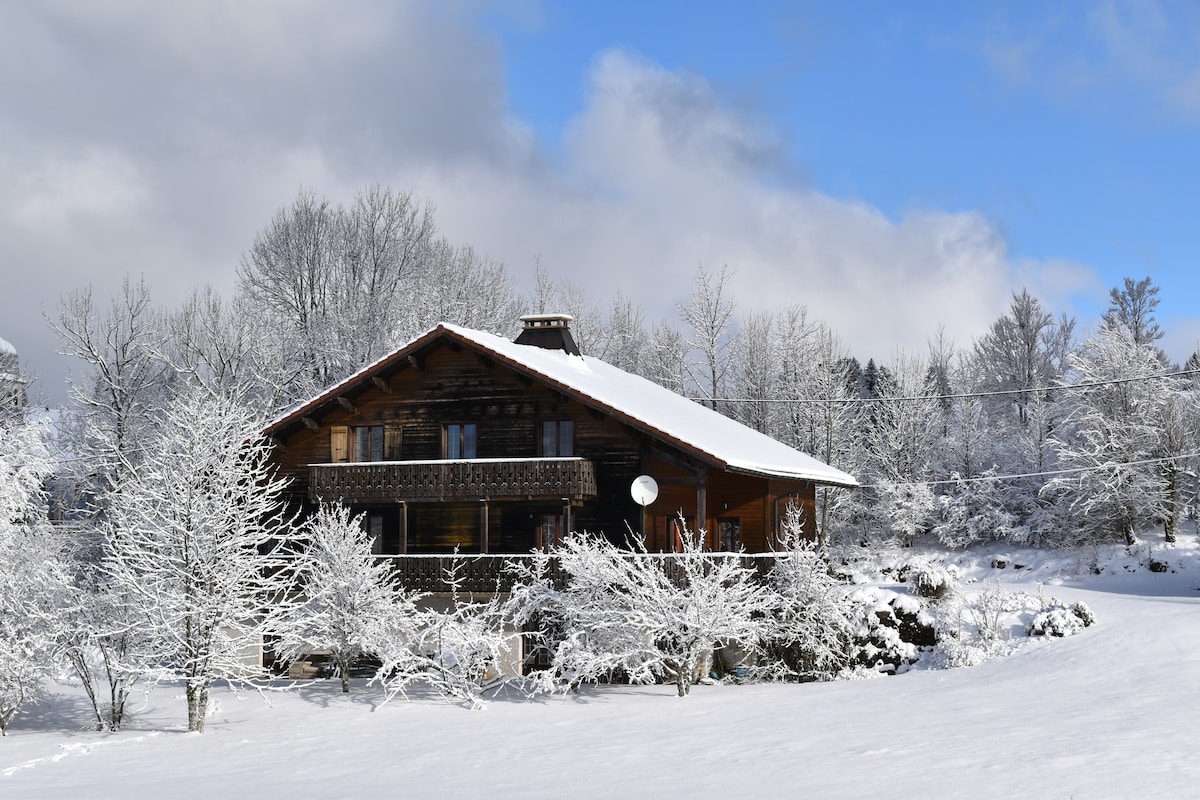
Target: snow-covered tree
{"points": [[112, 404], [707, 316], [646, 616], [1114, 436], [1132, 307], [907, 422], [195, 544], [812, 630], [464, 645], [29, 597], [1022, 354], [351, 599]]}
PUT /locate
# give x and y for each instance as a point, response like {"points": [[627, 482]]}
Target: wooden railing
{"points": [[490, 573], [494, 479]]}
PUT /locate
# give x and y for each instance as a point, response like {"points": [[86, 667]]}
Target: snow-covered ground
{"points": [[1109, 713]]}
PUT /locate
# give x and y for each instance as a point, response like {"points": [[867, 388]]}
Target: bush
{"points": [[893, 630], [1062, 621], [929, 579]]}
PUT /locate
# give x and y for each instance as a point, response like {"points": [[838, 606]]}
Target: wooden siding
{"points": [[450, 383]]}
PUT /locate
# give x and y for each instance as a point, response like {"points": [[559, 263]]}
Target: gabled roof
{"points": [[639, 403]]}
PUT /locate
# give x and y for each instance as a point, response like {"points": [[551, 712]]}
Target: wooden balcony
{"points": [[485, 574], [492, 479]]}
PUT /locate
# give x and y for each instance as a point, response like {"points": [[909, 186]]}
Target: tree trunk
{"points": [[197, 703]]}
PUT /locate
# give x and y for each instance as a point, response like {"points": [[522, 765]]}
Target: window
{"points": [[730, 534], [364, 443], [558, 438], [460, 440]]}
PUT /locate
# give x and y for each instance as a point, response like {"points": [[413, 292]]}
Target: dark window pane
{"points": [[566, 438], [377, 443]]}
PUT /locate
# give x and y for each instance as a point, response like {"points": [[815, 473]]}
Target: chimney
{"points": [[548, 331]]}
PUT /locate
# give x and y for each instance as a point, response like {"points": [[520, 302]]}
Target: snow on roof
{"points": [[641, 402], [6, 347], [742, 449]]}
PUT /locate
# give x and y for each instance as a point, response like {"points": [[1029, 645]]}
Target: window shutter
{"points": [[391, 442], [339, 444]]}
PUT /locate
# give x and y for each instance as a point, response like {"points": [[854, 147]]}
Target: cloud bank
{"points": [[156, 139]]}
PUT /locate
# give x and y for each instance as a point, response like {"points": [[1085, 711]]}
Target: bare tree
{"points": [[1024, 352], [114, 402], [1133, 306], [707, 317]]}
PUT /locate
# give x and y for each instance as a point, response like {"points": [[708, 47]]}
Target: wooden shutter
{"points": [[391, 443], [339, 444]]}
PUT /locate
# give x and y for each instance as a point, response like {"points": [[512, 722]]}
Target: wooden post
{"points": [[566, 529], [403, 526], [483, 525], [702, 510]]}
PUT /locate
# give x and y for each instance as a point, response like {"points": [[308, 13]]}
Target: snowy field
{"points": [[1109, 713]]}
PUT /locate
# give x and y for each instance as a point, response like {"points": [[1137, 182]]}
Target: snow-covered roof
{"points": [[637, 401], [6, 346]]}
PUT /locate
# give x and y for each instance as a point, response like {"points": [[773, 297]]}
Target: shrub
{"points": [[1062, 621], [929, 579]]}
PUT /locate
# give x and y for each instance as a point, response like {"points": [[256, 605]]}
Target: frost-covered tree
{"points": [[1022, 354], [707, 316], [811, 636], [907, 422], [195, 544], [1114, 436], [350, 597], [1132, 307], [113, 402], [29, 583], [646, 616], [625, 341], [666, 357]]}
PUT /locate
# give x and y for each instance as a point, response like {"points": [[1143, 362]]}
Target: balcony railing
{"points": [[494, 479], [489, 573]]}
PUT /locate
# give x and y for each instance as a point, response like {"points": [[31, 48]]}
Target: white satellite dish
{"points": [[644, 490]]}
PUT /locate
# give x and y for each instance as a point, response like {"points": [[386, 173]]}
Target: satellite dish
{"points": [[644, 490]]}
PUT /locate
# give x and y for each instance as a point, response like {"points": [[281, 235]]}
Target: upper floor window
{"points": [[364, 443], [558, 438], [460, 439]]}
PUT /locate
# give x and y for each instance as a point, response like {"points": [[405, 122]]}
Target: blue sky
{"points": [[1056, 121], [894, 167]]}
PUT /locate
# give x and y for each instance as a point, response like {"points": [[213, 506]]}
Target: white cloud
{"points": [[660, 176], [162, 137]]}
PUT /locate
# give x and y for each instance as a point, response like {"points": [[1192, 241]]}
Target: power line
{"points": [[958, 396], [1050, 473]]}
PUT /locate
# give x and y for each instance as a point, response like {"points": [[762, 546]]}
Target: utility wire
{"points": [[959, 396], [1050, 473]]}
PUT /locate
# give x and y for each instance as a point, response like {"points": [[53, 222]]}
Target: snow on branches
{"points": [[196, 543]]}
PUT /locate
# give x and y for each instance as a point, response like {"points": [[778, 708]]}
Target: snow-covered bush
{"points": [[462, 647], [644, 615], [1060, 620], [928, 578], [892, 629]]}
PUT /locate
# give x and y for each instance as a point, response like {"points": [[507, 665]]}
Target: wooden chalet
{"points": [[465, 439]]}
